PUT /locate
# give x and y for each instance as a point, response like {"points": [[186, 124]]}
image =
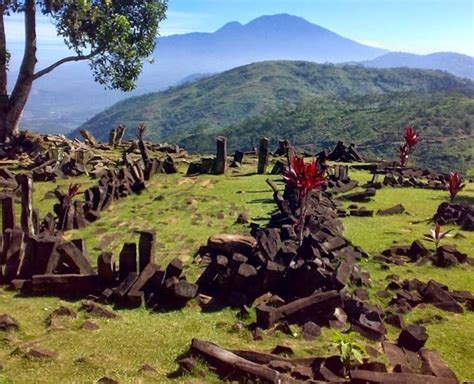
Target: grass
{"points": [[190, 211]]}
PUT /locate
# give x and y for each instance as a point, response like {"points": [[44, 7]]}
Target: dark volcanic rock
{"points": [[413, 337]]}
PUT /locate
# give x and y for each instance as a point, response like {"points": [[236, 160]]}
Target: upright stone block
{"points": [[263, 153], [26, 184], [112, 137], [8, 212], [128, 260], [146, 249], [220, 163]]}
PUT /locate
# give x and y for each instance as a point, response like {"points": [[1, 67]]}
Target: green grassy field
{"points": [[185, 212]]}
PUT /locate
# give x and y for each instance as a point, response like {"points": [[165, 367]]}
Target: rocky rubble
{"points": [[459, 214]]}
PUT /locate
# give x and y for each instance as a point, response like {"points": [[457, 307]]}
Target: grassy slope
{"points": [[122, 346]]}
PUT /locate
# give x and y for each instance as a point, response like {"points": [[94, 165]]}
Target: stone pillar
{"points": [[88, 137], [220, 162], [263, 153], [146, 249], [238, 158], [8, 212], [120, 134], [26, 184], [112, 137], [128, 260]]}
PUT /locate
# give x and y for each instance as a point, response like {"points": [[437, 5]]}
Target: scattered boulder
{"points": [[243, 218], [311, 331], [413, 337], [97, 310], [8, 323], [230, 244], [89, 325], [41, 353], [395, 210]]}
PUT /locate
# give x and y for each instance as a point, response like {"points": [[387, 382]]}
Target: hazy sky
{"points": [[417, 26]]}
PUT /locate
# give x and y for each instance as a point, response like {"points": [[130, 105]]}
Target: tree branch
{"points": [[63, 61]]}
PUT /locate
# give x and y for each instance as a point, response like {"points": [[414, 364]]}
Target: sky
{"points": [[415, 26]]}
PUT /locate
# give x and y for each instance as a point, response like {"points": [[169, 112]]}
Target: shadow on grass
{"points": [[262, 201], [245, 174], [469, 200]]}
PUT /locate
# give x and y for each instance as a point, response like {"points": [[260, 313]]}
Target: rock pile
{"points": [[49, 157], [408, 294], [459, 214], [305, 281], [342, 153], [395, 176], [409, 362], [50, 265], [113, 185], [445, 256]]}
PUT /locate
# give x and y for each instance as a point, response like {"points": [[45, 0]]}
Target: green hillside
{"points": [[309, 104], [374, 122], [251, 90]]}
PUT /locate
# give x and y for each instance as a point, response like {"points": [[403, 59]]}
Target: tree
{"points": [[115, 36]]}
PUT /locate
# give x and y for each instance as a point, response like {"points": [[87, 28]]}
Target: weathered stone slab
{"points": [[301, 310], [67, 285]]}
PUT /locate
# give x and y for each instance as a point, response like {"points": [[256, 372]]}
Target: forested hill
{"points": [[251, 90], [375, 123], [351, 102]]}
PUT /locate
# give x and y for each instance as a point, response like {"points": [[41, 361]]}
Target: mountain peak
{"points": [[232, 26], [281, 18]]}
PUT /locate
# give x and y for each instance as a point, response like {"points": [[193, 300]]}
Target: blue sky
{"points": [[417, 26]]}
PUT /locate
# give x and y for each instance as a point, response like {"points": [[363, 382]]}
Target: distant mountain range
{"points": [[455, 63], [62, 99], [305, 102]]}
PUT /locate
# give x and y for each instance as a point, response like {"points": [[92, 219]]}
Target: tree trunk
{"points": [[3, 74], [12, 107], [3, 54]]}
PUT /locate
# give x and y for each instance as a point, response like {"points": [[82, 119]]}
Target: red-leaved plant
{"points": [[411, 140], [455, 184], [304, 177], [436, 235], [73, 191]]}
